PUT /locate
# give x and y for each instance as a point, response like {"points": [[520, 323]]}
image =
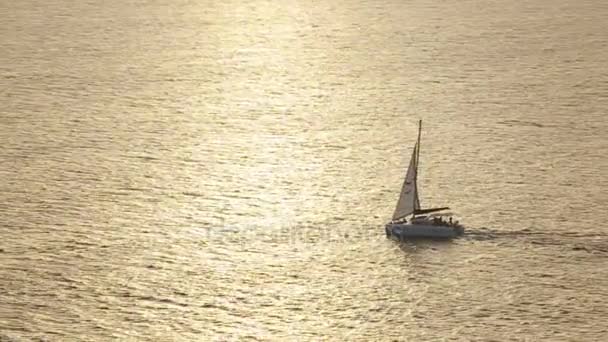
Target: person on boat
{"points": [[450, 220]]}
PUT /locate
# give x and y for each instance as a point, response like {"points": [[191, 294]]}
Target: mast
{"points": [[418, 149], [409, 200], [416, 198]]}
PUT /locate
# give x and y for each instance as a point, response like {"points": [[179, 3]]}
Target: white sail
{"points": [[408, 200]]}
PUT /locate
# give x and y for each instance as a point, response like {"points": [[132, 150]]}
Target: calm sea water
{"points": [[204, 170]]}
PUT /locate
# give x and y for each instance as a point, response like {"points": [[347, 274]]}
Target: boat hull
{"points": [[405, 231]]}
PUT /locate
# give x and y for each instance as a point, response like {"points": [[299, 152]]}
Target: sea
{"points": [[223, 170]]}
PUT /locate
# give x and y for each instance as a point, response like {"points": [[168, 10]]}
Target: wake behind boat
{"points": [[421, 226]]}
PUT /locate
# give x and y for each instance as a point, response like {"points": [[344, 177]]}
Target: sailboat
{"points": [[420, 224]]}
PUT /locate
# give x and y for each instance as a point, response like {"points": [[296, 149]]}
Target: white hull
{"points": [[403, 231]]}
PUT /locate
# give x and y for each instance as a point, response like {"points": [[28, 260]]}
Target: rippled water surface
{"points": [[205, 170]]}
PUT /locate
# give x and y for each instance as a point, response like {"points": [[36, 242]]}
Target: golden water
{"points": [[198, 170]]}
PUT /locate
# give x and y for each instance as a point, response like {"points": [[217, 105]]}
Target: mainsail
{"points": [[408, 200]]}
